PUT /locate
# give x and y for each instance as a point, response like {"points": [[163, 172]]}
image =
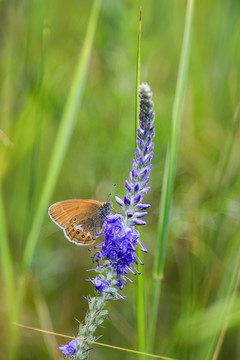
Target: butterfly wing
{"points": [[81, 220], [82, 231], [63, 211]]}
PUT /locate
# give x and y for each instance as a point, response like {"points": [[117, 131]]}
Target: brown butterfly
{"points": [[81, 220]]}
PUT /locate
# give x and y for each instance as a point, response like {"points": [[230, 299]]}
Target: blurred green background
{"points": [[40, 46]]}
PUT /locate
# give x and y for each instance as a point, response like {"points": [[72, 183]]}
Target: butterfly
{"points": [[81, 220]]}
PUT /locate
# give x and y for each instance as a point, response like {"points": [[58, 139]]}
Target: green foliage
{"points": [[198, 313]]}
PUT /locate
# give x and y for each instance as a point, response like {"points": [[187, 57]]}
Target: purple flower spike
{"points": [[69, 349], [119, 201], [116, 255]]}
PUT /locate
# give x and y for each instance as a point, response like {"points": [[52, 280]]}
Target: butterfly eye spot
{"points": [[83, 236], [74, 219], [88, 237], [78, 232], [71, 225]]}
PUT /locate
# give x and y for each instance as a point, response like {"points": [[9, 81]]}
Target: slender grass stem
{"points": [[141, 321], [6, 259], [170, 169], [34, 159], [223, 319]]}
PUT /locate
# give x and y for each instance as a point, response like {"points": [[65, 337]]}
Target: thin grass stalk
{"points": [[37, 140], [224, 316], [45, 321], [141, 321], [225, 158], [8, 278], [6, 260], [169, 171]]}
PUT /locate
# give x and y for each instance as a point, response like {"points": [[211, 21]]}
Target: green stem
{"points": [[6, 260], [141, 321], [169, 171]]}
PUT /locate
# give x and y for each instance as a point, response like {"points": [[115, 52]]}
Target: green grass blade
{"points": [[34, 159], [138, 75], [169, 171], [141, 321], [63, 137], [6, 259], [224, 316]]}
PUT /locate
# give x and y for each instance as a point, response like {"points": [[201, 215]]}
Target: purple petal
{"points": [[140, 143], [148, 157], [129, 214], [140, 160], [134, 173], [139, 222], [146, 170], [136, 187], [113, 218], [151, 146], [134, 164], [128, 186], [137, 198], [137, 152], [74, 343], [127, 200], [140, 214], [145, 190], [142, 246], [98, 337], [86, 298], [130, 176], [63, 348], [145, 181], [143, 206], [119, 201]]}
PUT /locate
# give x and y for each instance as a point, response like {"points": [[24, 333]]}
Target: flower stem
{"points": [[169, 171]]}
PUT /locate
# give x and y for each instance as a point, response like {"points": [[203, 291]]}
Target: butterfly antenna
{"points": [[111, 191]]}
